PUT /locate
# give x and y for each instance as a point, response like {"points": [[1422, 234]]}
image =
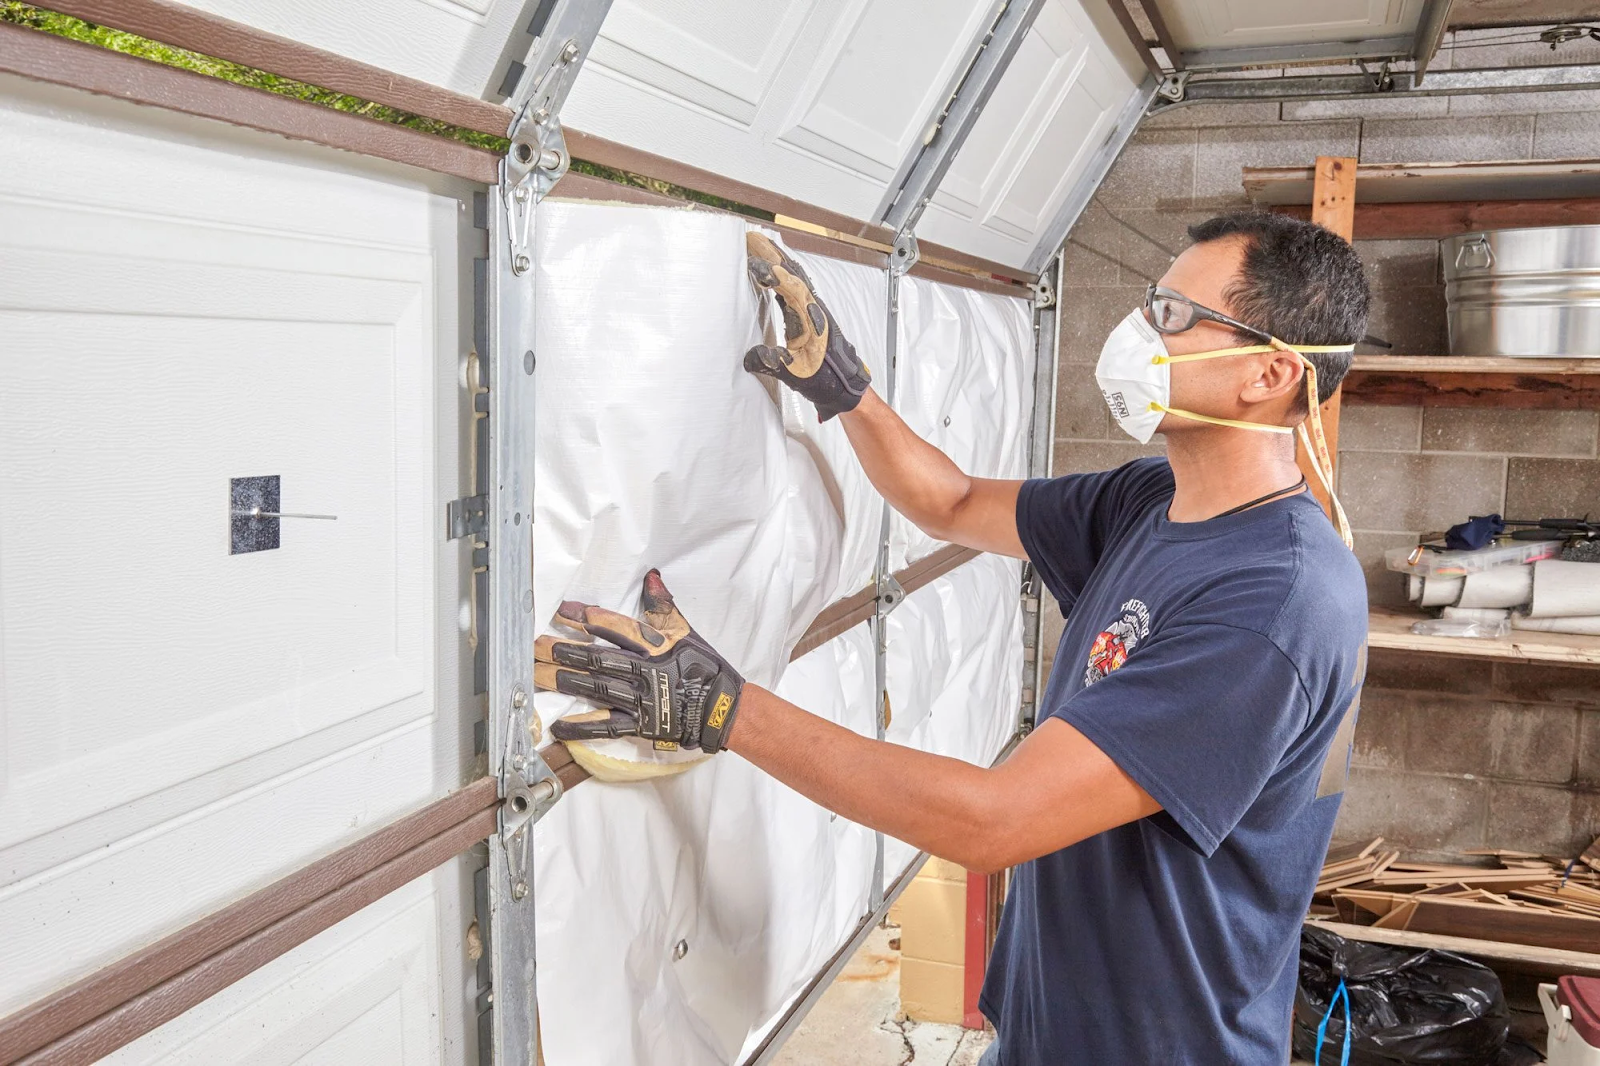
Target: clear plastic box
{"points": [[1454, 564]]}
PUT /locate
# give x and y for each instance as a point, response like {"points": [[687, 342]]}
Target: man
{"points": [[1169, 814]]}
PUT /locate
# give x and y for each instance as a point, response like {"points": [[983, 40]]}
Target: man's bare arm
{"points": [[1056, 789], [922, 483]]}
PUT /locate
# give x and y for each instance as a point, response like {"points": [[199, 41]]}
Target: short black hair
{"points": [[1300, 282]]}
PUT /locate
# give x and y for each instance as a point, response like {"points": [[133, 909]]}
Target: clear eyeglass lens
{"points": [[1169, 315]]}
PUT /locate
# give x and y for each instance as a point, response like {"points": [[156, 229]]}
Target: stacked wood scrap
{"points": [[1511, 896]]}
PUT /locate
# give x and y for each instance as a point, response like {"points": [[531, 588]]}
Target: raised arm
{"points": [[916, 478]]}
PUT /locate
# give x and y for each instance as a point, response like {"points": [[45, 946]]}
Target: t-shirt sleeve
{"points": [[1065, 523], [1200, 716]]}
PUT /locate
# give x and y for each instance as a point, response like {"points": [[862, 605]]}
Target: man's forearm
{"points": [[937, 804]]}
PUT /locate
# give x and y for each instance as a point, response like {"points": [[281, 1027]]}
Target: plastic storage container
{"points": [[1455, 564], [1572, 1012]]}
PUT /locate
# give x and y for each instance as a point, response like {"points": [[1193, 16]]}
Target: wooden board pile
{"points": [[1515, 897]]}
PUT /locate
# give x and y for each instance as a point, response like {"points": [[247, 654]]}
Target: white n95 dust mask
{"points": [[1135, 377]]}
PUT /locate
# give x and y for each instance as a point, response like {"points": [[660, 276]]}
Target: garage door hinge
{"points": [[467, 517]]}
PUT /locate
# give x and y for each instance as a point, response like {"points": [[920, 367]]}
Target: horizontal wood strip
{"points": [[108, 988], [201, 31], [48, 58], [1452, 389], [135, 1017], [1446, 218], [840, 617]]}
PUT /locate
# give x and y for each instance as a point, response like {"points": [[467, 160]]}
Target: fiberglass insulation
{"points": [[656, 449]]}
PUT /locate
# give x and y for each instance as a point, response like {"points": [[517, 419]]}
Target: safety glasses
{"points": [[1173, 312]]}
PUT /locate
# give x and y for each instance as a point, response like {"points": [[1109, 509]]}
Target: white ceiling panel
{"points": [[1242, 23]]}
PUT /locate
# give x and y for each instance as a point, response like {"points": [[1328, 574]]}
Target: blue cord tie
{"points": [[1341, 991]]}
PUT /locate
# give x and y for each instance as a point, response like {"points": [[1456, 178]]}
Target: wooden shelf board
{"points": [[1473, 364], [1391, 629], [1513, 956], [1417, 182]]}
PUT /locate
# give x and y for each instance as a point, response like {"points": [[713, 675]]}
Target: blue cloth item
{"points": [[1218, 663], [1322, 1030], [1474, 533]]}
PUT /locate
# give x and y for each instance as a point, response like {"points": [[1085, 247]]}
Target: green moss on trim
{"points": [[666, 188]]}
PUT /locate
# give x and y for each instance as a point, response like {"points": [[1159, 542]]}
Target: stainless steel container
{"points": [[1530, 292]]}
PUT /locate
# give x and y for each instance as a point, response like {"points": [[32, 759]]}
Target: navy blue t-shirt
{"points": [[1218, 663]]}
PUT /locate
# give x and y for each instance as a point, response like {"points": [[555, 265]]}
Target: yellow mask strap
{"points": [[1233, 422], [1252, 349]]}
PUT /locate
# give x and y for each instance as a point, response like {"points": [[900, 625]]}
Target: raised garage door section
{"points": [[823, 102], [183, 303]]}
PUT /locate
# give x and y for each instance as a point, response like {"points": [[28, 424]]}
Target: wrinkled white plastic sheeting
{"points": [[857, 296], [655, 448], [965, 381], [955, 670]]}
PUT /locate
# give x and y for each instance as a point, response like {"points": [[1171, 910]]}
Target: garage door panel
{"points": [[360, 992], [180, 725], [1240, 23]]}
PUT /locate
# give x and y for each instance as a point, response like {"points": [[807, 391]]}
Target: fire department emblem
{"points": [[1117, 641]]}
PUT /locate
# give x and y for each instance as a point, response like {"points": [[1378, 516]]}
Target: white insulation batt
{"points": [[678, 917]]}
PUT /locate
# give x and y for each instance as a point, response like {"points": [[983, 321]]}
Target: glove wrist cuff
{"points": [[720, 710]]}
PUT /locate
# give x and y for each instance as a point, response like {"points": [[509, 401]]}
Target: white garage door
{"points": [[181, 304]]}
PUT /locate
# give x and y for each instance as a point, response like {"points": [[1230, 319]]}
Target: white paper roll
{"points": [[1413, 588], [1504, 586], [1475, 614], [1584, 624], [1439, 591], [1565, 590]]}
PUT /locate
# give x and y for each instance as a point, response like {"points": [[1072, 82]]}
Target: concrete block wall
{"points": [[932, 913], [1450, 754]]}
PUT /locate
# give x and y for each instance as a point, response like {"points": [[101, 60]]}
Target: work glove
{"points": [[662, 681], [816, 361]]}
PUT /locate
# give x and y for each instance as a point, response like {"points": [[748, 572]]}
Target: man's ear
{"points": [[1278, 375]]}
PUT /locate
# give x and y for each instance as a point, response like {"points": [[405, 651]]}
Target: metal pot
{"points": [[1530, 292]]}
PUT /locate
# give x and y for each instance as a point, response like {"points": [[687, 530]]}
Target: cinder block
{"points": [[1538, 105], [1398, 492], [1419, 140], [1385, 588], [1449, 734], [1204, 116], [1533, 743], [1089, 315], [1156, 167], [931, 991], [1081, 412], [1412, 319], [1509, 431], [1589, 750], [1222, 153], [937, 869], [1427, 673], [1379, 107], [1573, 135], [1544, 683], [1381, 731], [1551, 488], [932, 921], [1488, 47], [1393, 265], [1077, 457], [1414, 811], [1149, 240], [1537, 818], [1367, 427]]}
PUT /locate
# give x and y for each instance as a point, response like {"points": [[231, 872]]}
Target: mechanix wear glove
{"points": [[816, 361], [662, 681]]}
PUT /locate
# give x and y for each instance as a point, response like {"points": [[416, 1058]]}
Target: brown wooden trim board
{"points": [[1446, 218], [133, 995], [48, 58]]}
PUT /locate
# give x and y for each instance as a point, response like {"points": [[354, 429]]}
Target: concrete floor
{"points": [[857, 1022]]}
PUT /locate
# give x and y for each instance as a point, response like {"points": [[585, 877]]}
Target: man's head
{"points": [[1291, 279]]}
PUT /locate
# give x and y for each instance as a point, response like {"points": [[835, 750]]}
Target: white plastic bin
{"points": [[1572, 1011]]}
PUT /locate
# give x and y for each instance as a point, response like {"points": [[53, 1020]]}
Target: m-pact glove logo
{"points": [[1117, 641], [719, 711]]}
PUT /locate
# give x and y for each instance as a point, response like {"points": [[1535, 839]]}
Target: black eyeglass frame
{"points": [[1201, 312]]}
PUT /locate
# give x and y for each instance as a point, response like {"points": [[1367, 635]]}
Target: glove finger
{"points": [[660, 611], [595, 725], [766, 359], [606, 691], [589, 658], [761, 272], [619, 629]]}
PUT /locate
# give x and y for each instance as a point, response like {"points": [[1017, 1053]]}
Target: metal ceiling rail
{"points": [[1278, 55], [1399, 83], [1430, 34], [919, 174]]}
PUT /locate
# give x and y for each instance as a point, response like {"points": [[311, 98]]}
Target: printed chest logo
{"points": [[1117, 641]]}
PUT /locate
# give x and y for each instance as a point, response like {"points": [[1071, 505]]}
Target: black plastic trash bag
{"points": [[1405, 1006]]}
